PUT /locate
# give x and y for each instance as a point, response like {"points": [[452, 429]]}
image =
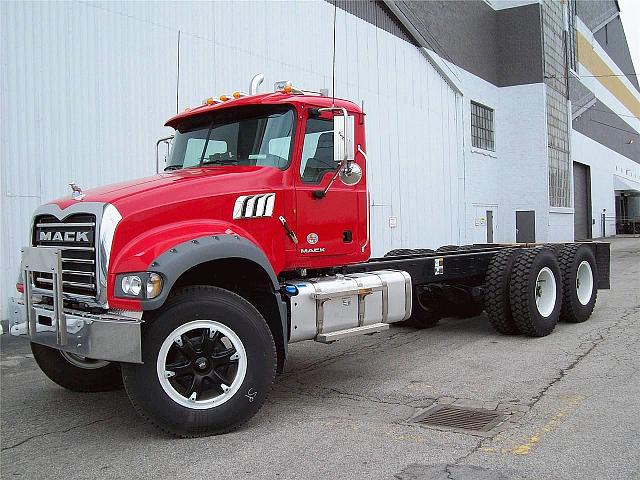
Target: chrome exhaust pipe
{"points": [[255, 83]]}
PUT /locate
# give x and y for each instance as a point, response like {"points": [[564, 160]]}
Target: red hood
{"points": [[125, 190]]}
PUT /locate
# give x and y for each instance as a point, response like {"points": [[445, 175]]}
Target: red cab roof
{"points": [[273, 98]]}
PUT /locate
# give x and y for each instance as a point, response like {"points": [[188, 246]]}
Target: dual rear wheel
{"points": [[529, 290]]}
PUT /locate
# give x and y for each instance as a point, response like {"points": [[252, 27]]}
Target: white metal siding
{"points": [[86, 88]]}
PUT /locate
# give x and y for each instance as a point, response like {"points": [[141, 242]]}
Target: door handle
{"points": [[292, 235]]}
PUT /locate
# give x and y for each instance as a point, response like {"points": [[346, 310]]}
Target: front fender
{"points": [[177, 260], [137, 253]]}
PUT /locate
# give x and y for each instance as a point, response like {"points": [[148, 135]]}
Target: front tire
{"points": [[209, 362], [76, 373]]}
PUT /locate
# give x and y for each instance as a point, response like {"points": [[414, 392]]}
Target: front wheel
{"points": [[77, 373], [209, 362]]}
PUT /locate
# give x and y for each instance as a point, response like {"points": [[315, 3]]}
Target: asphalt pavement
{"points": [[570, 404]]}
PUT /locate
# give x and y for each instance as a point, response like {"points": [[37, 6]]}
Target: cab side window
{"points": [[317, 152]]}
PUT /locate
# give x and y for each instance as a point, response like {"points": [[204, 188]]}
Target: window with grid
{"points": [[482, 128]]}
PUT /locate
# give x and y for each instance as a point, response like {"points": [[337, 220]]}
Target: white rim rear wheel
{"points": [[584, 282], [545, 292]]}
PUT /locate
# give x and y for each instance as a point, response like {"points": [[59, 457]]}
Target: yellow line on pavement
{"points": [[525, 448]]}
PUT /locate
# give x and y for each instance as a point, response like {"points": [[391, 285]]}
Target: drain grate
{"points": [[460, 418]]}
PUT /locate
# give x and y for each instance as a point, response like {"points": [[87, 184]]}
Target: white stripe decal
{"points": [[254, 206]]}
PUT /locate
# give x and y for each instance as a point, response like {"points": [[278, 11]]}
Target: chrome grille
{"points": [[75, 235]]}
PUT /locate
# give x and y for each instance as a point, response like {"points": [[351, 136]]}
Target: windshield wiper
{"points": [[221, 161]]}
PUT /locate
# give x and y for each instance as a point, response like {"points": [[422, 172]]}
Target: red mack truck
{"points": [[188, 286]]}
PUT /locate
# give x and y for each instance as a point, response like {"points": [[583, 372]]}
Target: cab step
{"points": [[351, 332]]}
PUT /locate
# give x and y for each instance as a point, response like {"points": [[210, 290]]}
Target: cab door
{"points": [[326, 226]]}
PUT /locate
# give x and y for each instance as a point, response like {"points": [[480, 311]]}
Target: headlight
{"points": [[131, 285], [138, 285]]}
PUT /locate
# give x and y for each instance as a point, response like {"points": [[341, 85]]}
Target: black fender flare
{"points": [[177, 260]]}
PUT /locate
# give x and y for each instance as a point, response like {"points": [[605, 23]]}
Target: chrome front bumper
{"points": [[110, 336]]}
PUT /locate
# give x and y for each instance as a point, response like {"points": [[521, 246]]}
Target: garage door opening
{"points": [[581, 201]]}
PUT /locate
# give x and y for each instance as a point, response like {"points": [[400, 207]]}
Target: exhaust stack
{"points": [[255, 83]]}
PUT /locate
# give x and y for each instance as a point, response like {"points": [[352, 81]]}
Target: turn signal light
{"points": [[154, 285]]}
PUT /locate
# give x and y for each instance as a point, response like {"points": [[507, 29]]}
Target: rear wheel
{"points": [[496, 292], [449, 248], [535, 292], [75, 372], [209, 362], [424, 314], [579, 273], [408, 251]]}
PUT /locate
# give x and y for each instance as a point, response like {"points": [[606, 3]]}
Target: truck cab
{"points": [[278, 152]]}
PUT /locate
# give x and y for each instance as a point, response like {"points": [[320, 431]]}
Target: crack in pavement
{"points": [[22, 442], [357, 396], [602, 335], [305, 390], [407, 337]]}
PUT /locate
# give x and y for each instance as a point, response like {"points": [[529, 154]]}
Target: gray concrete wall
{"points": [[503, 47], [614, 41], [594, 12], [604, 126]]}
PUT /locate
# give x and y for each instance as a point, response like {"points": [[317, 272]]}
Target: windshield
{"points": [[253, 137]]}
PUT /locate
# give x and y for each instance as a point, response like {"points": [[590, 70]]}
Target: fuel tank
{"points": [[335, 303]]}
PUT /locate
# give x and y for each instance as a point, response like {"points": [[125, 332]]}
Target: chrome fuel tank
{"points": [[341, 302]]}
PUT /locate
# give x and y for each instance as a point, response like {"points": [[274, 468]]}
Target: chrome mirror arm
{"points": [[165, 140]]}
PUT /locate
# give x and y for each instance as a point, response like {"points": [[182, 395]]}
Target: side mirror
{"points": [[343, 138], [350, 174], [167, 141]]}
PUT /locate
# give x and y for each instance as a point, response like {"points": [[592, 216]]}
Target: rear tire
{"points": [[209, 362], [398, 252], [422, 319], [449, 248], [76, 373], [497, 304], [422, 316], [579, 288], [536, 292]]}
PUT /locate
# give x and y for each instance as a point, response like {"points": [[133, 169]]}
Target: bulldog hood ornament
{"points": [[76, 191]]}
